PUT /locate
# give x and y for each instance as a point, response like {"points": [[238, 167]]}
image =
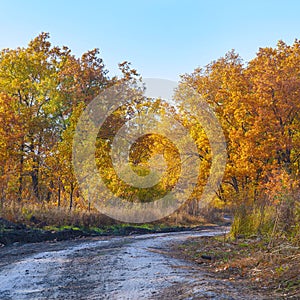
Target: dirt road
{"points": [[136, 267]]}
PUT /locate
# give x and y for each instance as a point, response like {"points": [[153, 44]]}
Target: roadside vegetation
{"points": [[258, 105], [44, 89]]}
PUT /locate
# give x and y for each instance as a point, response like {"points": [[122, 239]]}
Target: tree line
{"points": [[44, 89]]}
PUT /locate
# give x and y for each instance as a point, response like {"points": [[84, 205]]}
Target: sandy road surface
{"points": [[135, 267]]}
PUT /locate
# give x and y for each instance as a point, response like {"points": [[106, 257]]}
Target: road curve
{"points": [[134, 267]]}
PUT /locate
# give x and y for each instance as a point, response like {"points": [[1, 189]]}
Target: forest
{"points": [[244, 164], [45, 88]]}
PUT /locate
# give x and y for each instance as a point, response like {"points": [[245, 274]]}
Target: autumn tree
{"points": [[45, 85], [258, 106]]}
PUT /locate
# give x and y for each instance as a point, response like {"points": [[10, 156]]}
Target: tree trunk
{"points": [[71, 196], [21, 173], [35, 182], [58, 194]]}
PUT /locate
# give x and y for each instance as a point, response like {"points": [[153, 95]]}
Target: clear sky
{"points": [[162, 39]]}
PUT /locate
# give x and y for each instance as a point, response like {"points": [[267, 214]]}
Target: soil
{"points": [[272, 271], [11, 233], [132, 267], [201, 263]]}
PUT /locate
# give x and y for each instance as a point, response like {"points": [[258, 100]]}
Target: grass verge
{"points": [[271, 271]]}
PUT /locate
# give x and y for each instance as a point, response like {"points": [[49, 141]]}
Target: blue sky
{"points": [[162, 39]]}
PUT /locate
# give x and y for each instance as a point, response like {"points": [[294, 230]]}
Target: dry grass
{"points": [[44, 215], [273, 272]]}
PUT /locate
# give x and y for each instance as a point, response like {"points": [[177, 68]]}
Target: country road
{"points": [[135, 267]]}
